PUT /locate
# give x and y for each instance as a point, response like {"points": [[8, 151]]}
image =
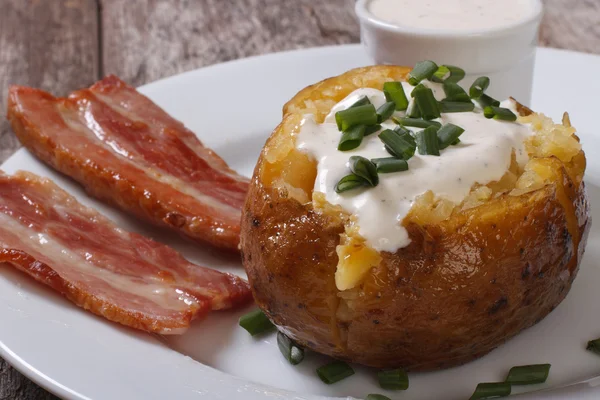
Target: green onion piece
{"points": [[401, 130], [457, 141], [413, 111], [594, 346], [398, 145], [499, 113], [395, 92], [448, 73], [334, 372], [455, 107], [485, 101], [528, 374], [385, 111], [256, 322], [371, 129], [359, 115], [455, 92], [427, 104], [350, 182], [491, 390], [423, 70], [351, 138], [427, 141], [377, 397], [448, 135], [415, 122], [364, 168], [289, 349], [479, 86], [406, 135], [393, 380], [361, 102], [390, 164], [417, 89]]}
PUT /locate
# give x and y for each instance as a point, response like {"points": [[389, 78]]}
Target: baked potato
{"points": [[474, 274]]}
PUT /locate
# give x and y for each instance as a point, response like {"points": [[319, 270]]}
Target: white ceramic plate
{"points": [[77, 355]]}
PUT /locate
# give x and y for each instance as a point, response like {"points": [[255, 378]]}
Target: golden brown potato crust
{"points": [[460, 289]]}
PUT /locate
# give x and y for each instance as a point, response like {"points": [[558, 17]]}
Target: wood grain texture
{"points": [[571, 24], [145, 41], [48, 44], [54, 44], [14, 386], [51, 44]]}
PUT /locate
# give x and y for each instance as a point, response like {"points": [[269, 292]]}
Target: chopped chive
{"points": [[390, 164], [413, 110], [479, 86], [393, 380], [499, 113], [455, 107], [256, 322], [361, 102], [485, 101], [417, 89], [395, 92], [491, 390], [377, 397], [350, 182], [289, 349], [427, 104], [334, 372], [351, 138], [385, 111], [448, 135], [371, 129], [423, 70], [359, 115], [401, 130], [594, 346], [448, 73], [406, 135], [455, 92], [415, 122], [427, 141], [364, 168], [398, 145], [528, 374]]}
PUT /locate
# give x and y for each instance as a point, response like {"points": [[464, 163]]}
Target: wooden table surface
{"points": [[61, 45]]}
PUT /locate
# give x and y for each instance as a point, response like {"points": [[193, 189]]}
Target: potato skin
{"points": [[461, 288]]}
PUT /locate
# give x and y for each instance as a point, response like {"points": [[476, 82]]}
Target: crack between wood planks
{"points": [[100, 39]]}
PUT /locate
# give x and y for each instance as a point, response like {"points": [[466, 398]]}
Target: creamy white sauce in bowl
{"points": [[453, 15], [483, 156]]}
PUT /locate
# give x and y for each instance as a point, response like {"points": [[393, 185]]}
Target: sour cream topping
{"points": [[482, 156], [452, 15]]}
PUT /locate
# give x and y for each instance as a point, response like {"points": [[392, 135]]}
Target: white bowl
{"points": [[506, 55]]}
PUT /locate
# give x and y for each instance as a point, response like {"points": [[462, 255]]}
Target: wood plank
{"points": [[571, 24], [52, 45], [150, 39], [147, 40]]}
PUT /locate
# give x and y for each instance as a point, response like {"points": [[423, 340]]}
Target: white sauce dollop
{"points": [[452, 15], [483, 156]]}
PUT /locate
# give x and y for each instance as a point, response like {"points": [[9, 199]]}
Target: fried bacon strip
{"points": [[127, 151], [119, 275]]}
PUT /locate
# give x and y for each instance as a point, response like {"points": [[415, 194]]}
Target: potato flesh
{"points": [[291, 169]]}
